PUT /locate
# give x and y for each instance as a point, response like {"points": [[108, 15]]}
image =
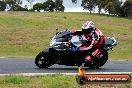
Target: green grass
{"points": [[14, 80], [51, 81], [25, 34]]}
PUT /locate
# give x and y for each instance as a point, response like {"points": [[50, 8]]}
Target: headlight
{"points": [[52, 42]]}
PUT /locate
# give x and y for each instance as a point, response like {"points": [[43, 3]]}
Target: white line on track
{"points": [[42, 74]]}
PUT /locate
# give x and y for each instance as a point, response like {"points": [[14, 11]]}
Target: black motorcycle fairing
{"points": [[62, 40], [70, 60]]}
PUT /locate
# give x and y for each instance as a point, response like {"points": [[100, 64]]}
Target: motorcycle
{"points": [[60, 52]]}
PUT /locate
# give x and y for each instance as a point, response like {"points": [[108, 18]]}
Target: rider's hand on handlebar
{"points": [[69, 33], [74, 49]]}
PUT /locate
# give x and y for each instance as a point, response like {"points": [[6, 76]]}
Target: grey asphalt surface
{"points": [[26, 65]]}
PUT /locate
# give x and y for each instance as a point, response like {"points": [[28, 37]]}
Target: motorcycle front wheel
{"points": [[44, 59]]}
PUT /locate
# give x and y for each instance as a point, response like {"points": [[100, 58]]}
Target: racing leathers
{"points": [[94, 41]]}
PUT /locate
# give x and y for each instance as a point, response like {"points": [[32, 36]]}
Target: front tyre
{"points": [[44, 59]]}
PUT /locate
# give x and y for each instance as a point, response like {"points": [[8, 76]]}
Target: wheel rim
{"points": [[43, 61], [98, 63], [40, 62], [101, 61]]}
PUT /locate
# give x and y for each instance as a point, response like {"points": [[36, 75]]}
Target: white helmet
{"points": [[88, 27]]}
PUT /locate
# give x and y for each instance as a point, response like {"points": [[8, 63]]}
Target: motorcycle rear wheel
{"points": [[44, 59], [98, 62]]}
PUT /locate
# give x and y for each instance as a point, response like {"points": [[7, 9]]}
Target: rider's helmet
{"points": [[88, 27]]}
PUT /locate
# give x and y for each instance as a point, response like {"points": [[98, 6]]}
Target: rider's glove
{"points": [[69, 33], [74, 49]]}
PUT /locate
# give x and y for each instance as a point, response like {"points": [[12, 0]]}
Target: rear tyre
{"points": [[98, 61], [44, 59]]}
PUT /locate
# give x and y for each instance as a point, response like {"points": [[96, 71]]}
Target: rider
{"points": [[92, 35]]}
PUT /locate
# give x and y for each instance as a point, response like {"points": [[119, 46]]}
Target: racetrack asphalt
{"points": [[27, 65]]}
